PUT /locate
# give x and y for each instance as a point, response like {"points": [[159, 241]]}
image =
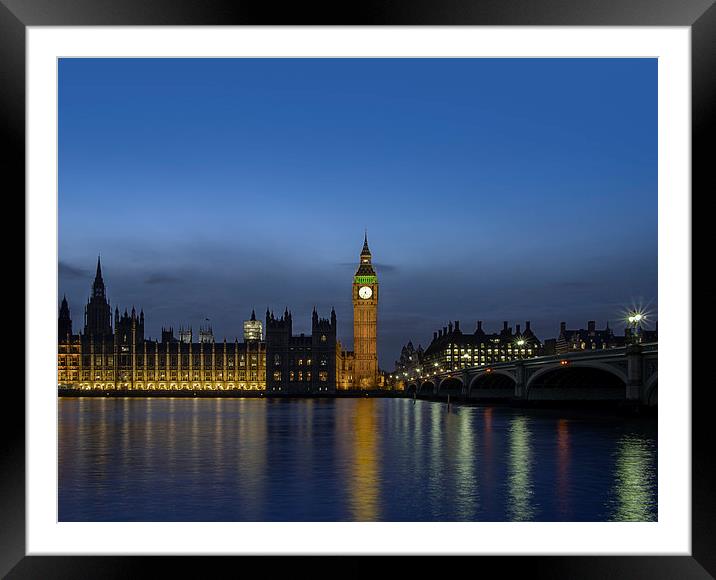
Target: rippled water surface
{"points": [[347, 460]]}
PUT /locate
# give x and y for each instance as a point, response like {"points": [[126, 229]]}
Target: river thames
{"points": [[198, 459]]}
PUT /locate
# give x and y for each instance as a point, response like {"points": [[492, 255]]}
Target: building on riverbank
{"points": [[452, 349], [590, 338], [131, 362], [301, 364], [121, 358], [107, 356]]}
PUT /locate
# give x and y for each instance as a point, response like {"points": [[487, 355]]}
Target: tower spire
{"points": [[98, 315], [64, 323], [366, 249]]}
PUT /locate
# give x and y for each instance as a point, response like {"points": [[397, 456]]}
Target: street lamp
{"points": [[635, 320]]}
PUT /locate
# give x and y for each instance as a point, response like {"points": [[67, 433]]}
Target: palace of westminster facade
{"points": [[106, 356]]}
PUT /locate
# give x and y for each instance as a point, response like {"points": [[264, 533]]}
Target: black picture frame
{"points": [[16, 15]]}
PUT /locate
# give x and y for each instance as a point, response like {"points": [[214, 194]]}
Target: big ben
{"points": [[365, 321]]}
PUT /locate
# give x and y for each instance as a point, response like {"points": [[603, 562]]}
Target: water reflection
{"points": [[634, 481], [364, 478], [435, 480], [250, 456], [192, 459], [563, 461], [487, 474], [520, 471], [467, 488]]}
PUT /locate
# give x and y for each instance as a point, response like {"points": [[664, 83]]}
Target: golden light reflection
{"points": [[635, 475], [171, 438], [218, 432], [363, 482], [520, 471], [195, 438], [251, 456], [148, 432], [415, 412], [126, 428], [104, 425]]}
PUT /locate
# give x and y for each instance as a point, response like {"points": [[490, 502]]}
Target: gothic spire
{"points": [[365, 268], [98, 284], [366, 249], [64, 322], [98, 315], [98, 276]]}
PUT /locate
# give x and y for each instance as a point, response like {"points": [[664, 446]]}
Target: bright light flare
{"points": [[637, 316]]}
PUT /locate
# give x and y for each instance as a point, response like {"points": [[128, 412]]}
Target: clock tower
{"points": [[365, 321]]}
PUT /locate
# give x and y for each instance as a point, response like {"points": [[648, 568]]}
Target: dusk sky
{"points": [[492, 189]]}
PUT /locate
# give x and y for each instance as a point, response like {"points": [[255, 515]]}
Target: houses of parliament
{"points": [[112, 353]]}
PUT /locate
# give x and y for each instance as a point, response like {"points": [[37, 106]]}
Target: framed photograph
{"points": [[389, 284]]}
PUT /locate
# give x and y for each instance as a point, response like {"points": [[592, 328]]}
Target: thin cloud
{"points": [[72, 272], [161, 279]]}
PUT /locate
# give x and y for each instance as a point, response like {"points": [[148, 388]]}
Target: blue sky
{"points": [[493, 189]]}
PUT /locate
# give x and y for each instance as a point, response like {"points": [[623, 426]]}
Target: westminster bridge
{"points": [[626, 374]]}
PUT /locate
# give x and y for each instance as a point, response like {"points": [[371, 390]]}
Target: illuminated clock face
{"points": [[365, 292]]}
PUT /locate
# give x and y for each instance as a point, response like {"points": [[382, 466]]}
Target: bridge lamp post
{"points": [[520, 344], [635, 319]]}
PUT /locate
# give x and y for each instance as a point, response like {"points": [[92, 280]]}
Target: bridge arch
{"points": [[411, 388], [450, 386], [577, 381], [495, 384], [426, 388]]}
